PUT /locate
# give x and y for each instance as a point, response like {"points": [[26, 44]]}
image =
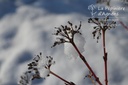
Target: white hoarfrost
{"points": [[43, 64], [44, 72], [70, 51]]}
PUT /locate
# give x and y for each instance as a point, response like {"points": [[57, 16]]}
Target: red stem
{"points": [[86, 63], [105, 59], [60, 77], [126, 27]]}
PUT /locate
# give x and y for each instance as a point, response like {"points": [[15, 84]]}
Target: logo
{"points": [[104, 11], [91, 8]]}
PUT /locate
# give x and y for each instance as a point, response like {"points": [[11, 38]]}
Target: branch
{"points": [[105, 58], [126, 27], [67, 82]]}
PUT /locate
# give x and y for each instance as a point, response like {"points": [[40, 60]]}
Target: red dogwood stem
{"points": [[60, 77], [126, 27], [105, 59]]}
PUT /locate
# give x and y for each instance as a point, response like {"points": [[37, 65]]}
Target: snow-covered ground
{"points": [[26, 28]]}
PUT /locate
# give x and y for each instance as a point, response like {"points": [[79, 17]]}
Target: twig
{"points": [[105, 58], [60, 78], [126, 27]]}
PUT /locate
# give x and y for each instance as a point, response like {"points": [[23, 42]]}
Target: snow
{"points": [[26, 28]]}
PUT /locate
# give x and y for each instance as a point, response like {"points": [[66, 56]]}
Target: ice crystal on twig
{"points": [[101, 25], [66, 33], [69, 50]]}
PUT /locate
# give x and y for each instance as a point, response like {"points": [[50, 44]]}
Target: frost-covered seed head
{"points": [[38, 68], [66, 33], [39, 65], [101, 25]]}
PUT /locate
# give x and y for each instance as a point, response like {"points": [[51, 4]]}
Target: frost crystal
{"points": [[69, 35], [69, 49]]}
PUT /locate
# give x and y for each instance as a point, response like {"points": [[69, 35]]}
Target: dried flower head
{"points": [[25, 79], [40, 66], [101, 25], [66, 33]]}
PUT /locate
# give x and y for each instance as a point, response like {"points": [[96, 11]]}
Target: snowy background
{"points": [[26, 28]]}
